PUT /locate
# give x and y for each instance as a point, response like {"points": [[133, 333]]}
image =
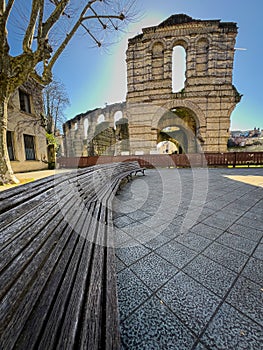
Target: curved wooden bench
{"points": [[57, 270]]}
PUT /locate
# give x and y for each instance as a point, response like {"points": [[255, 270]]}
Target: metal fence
{"points": [[174, 160]]}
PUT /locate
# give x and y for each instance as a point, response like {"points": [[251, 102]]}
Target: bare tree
{"points": [[55, 101], [43, 41]]}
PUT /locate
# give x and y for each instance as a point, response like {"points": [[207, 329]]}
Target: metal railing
{"points": [[173, 160]]}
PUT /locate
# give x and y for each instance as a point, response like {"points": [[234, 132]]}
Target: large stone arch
{"points": [[209, 46], [201, 120], [208, 93], [194, 113]]}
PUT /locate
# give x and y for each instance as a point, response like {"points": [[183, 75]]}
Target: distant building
{"points": [[26, 135], [248, 140]]}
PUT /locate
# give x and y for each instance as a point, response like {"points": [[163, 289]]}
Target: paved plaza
{"points": [[189, 257]]}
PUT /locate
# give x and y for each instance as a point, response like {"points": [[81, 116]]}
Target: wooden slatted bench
{"points": [[57, 270]]}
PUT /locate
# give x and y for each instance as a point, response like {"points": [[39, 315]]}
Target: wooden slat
{"points": [[57, 262]]}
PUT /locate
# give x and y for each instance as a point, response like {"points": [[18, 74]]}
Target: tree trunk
{"points": [[6, 173], [51, 155]]}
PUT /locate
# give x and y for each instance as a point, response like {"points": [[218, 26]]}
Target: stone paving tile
{"points": [[149, 209], [154, 326], [259, 252], [257, 224], [193, 241], [216, 204], [119, 265], [189, 300], [138, 215], [211, 274], [233, 209], [129, 255], [258, 207], [228, 257], [156, 221], [219, 220], [123, 221], [246, 232], [125, 208], [178, 220], [247, 297], [254, 215], [121, 238], [136, 229], [155, 242], [236, 242], [153, 270], [176, 253], [200, 346], [232, 331], [203, 215], [131, 292], [170, 231], [227, 233], [116, 214], [254, 270], [206, 231]]}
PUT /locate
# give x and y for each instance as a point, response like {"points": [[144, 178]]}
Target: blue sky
{"points": [[95, 76]]}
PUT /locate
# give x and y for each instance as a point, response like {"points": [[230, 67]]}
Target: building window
{"points": [[178, 68], [24, 99], [86, 128], [9, 141], [29, 147], [100, 119]]}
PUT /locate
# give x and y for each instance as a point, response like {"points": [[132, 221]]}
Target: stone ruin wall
{"points": [[208, 97], [98, 135]]}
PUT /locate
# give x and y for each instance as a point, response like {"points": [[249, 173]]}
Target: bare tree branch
{"points": [[8, 9], [58, 11], [2, 7], [92, 36], [28, 38], [40, 23], [104, 26], [69, 35], [98, 17]]}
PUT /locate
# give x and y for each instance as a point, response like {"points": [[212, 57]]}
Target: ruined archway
{"points": [[202, 107], [207, 91], [103, 142], [180, 126]]}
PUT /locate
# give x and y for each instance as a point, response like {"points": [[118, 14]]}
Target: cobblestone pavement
{"points": [[189, 257]]}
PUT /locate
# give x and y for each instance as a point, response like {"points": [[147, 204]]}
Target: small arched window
{"points": [[86, 127], [100, 119], [178, 68], [117, 116]]}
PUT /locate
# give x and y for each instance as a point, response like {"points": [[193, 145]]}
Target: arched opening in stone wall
{"points": [[86, 127], [179, 126], [103, 141], [122, 136], [178, 68], [117, 116], [167, 147], [101, 119]]}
